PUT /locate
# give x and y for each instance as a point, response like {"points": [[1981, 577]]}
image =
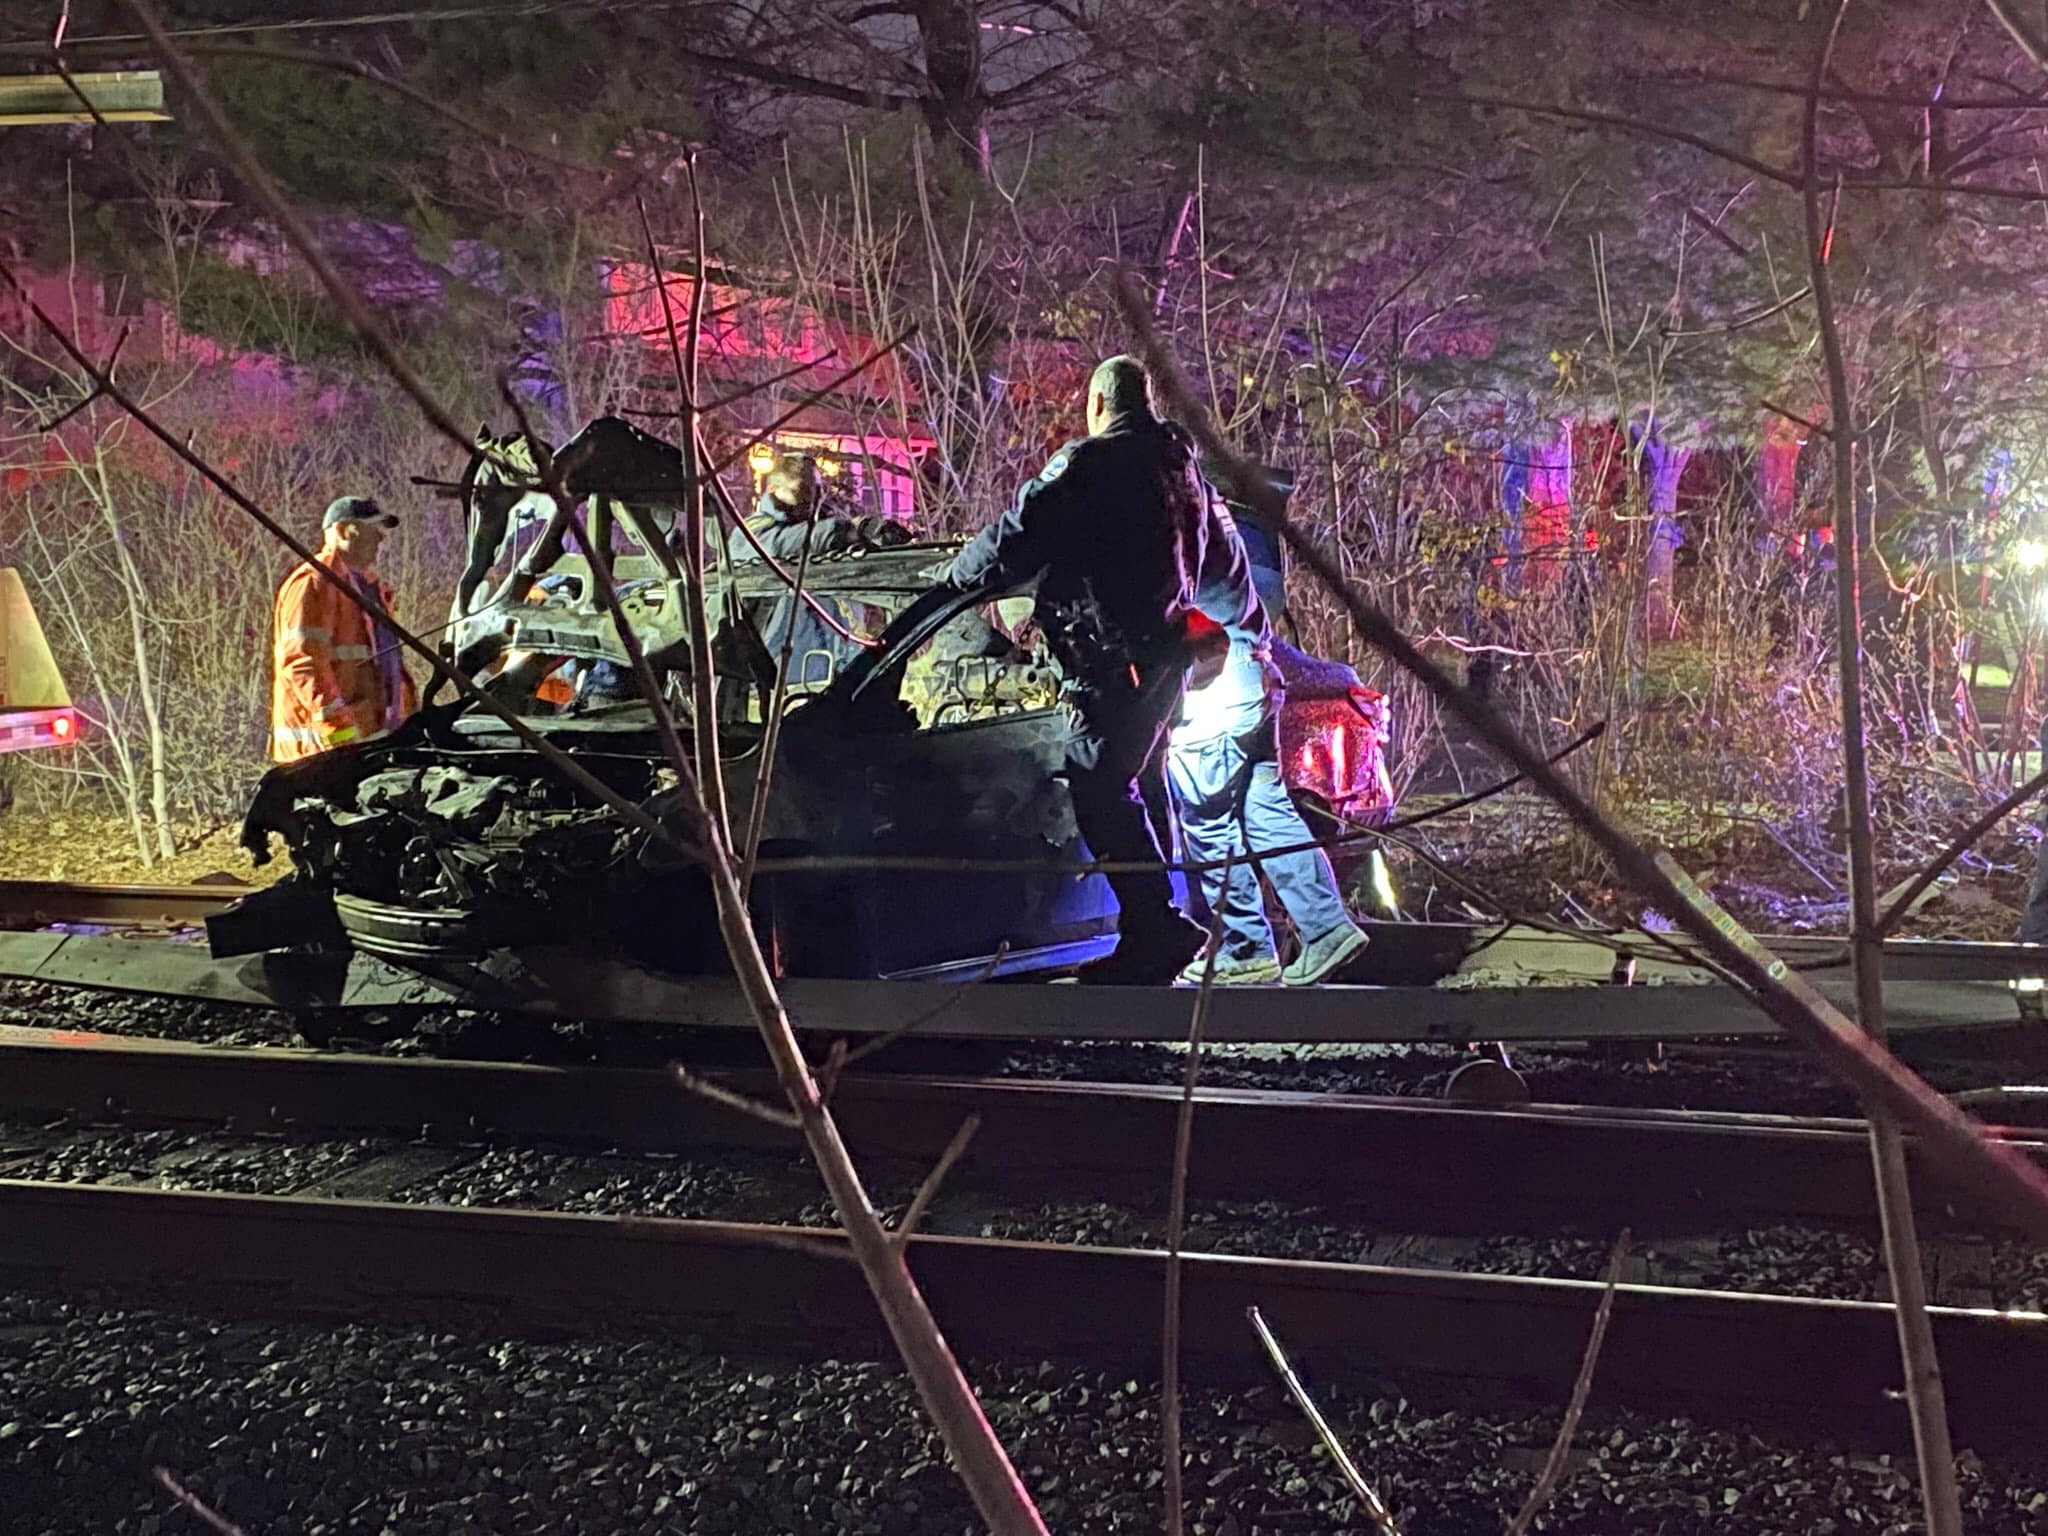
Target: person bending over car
{"points": [[794, 511]]}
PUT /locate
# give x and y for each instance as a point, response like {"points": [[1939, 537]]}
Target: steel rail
{"points": [[35, 903], [1433, 1165], [1537, 951], [566, 983], [1100, 1306]]}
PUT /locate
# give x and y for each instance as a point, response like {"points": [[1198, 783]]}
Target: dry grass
{"points": [[89, 845]]}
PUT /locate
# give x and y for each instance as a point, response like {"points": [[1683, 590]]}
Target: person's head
{"points": [[794, 483], [1118, 387], [356, 526]]}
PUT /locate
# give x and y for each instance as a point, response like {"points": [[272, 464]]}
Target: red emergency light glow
{"points": [[24, 729]]}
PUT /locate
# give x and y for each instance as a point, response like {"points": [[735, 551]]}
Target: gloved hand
{"points": [[336, 724]]}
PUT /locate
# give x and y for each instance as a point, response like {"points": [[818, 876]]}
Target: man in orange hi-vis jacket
{"points": [[338, 677]]}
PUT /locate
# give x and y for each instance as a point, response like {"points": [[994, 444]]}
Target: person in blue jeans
{"points": [[1223, 771]]}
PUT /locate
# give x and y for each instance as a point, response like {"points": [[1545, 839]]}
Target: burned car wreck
{"points": [[901, 778]]}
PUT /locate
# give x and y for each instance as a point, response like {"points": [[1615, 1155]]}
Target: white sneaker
{"points": [[1325, 956], [1235, 973]]}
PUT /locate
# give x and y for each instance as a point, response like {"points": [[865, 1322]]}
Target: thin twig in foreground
{"points": [[1375, 1509], [829, 388], [824, 1245], [835, 1063], [2030, 41], [1926, 1401], [976, 1452], [771, 731], [1902, 904], [1582, 1388], [738, 395], [1381, 833], [737, 523], [193, 1502], [918, 1021], [1812, 428], [906, 1229], [703, 679], [774, 1114], [1176, 1222]]}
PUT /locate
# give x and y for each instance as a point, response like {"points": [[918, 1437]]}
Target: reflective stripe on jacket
{"points": [[330, 668]]}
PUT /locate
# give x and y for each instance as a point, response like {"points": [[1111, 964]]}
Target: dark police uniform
{"points": [[1117, 527]]}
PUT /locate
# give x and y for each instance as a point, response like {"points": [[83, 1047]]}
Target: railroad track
{"points": [[41, 903], [1615, 1167], [1454, 1166], [1514, 985], [331, 994]]}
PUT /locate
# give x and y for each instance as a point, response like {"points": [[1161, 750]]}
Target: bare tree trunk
{"points": [[956, 107], [135, 598], [62, 595], [1924, 1396], [1667, 467]]}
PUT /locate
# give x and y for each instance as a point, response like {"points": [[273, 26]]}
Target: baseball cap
{"points": [[357, 509]]}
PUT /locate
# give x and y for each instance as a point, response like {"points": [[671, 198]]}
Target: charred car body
{"points": [[899, 782]]}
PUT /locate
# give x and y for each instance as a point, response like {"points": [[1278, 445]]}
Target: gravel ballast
{"points": [[411, 1430]]}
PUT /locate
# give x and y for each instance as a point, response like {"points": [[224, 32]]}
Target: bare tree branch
{"points": [[1902, 904], [1369, 1500], [426, 101], [1922, 1367], [773, 1114], [703, 683], [193, 1502], [1864, 180], [1925, 1399], [1627, 124], [845, 1057], [823, 392], [1582, 1388], [2030, 41], [906, 1229], [1176, 1223], [1798, 88], [791, 80]]}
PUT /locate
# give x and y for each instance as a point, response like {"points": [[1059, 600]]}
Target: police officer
{"points": [[1221, 764], [793, 511], [1117, 529]]}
